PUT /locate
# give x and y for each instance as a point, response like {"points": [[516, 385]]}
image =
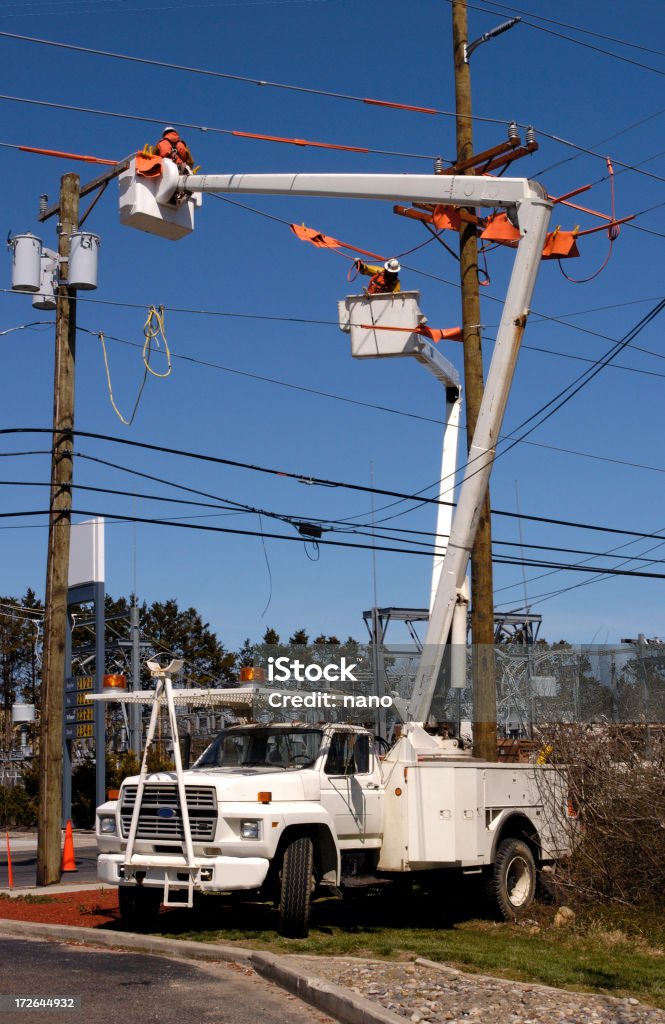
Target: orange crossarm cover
{"points": [[499, 229], [446, 218], [560, 245]]}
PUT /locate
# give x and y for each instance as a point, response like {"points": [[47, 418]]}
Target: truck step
{"points": [[363, 881]]}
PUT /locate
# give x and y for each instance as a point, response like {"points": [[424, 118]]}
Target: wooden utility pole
{"points": [[49, 856], [482, 601]]}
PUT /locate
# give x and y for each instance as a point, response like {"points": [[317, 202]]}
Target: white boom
{"points": [[528, 203]]}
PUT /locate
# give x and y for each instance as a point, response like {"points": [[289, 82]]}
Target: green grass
{"points": [[608, 952]]}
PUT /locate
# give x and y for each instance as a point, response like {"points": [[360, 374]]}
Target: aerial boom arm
{"points": [[457, 190], [531, 209], [533, 226]]}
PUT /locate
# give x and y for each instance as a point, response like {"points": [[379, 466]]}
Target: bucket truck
{"points": [[293, 810]]}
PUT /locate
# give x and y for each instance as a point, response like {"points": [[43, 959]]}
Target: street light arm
{"points": [[486, 36]]}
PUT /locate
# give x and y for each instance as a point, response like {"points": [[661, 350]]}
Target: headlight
{"points": [[250, 829], [107, 826]]}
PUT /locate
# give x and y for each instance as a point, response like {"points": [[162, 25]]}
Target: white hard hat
{"points": [[392, 266], [169, 128]]}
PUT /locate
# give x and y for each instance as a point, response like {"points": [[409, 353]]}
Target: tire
{"points": [[296, 889], [139, 907], [512, 884]]}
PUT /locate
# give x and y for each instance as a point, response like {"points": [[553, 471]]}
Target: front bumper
{"points": [[209, 874]]}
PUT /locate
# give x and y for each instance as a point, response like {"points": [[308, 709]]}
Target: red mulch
{"points": [[87, 908]]}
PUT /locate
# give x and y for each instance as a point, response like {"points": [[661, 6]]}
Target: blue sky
{"points": [[238, 261]]}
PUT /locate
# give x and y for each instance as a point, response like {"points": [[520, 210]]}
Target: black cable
{"points": [[575, 28], [116, 518], [571, 39], [318, 481], [547, 410]]}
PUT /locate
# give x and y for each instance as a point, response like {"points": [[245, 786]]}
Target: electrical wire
{"points": [[293, 88], [546, 411], [234, 133], [116, 519], [318, 481], [327, 525], [571, 39], [563, 24]]}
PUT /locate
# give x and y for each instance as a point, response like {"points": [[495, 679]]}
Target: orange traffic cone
{"points": [[10, 873], [68, 862]]}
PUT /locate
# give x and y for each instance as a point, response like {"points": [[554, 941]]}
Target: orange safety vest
{"points": [[175, 149], [380, 283]]}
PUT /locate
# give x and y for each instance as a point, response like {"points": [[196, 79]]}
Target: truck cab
{"points": [[276, 808]]}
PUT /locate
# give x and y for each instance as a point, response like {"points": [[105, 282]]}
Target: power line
{"points": [[418, 416], [236, 133], [575, 28], [328, 525], [571, 39], [318, 481], [549, 408], [293, 88], [116, 518]]}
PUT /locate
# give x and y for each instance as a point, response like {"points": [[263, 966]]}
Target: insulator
{"points": [[438, 165], [43, 200], [513, 132], [530, 135]]}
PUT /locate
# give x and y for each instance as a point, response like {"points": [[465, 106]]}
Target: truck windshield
{"points": [[270, 748]]}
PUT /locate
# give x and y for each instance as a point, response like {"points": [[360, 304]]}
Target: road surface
{"points": [[136, 988]]}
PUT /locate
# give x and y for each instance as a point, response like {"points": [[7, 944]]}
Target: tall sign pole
{"points": [[57, 566], [482, 601]]}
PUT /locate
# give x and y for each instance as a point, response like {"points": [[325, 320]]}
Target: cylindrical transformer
{"points": [[45, 298], [26, 263], [23, 713], [83, 260]]}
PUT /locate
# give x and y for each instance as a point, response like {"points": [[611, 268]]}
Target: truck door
{"points": [[349, 788]]}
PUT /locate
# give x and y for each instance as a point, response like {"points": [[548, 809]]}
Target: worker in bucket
{"points": [[174, 148], [383, 279]]}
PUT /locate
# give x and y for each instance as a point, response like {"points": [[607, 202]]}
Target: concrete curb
{"points": [[338, 1002], [53, 890], [345, 1006]]}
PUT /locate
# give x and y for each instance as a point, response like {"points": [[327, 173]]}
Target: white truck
{"points": [[292, 809]]}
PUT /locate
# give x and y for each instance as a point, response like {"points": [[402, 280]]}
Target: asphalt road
{"points": [[137, 988], [24, 867]]}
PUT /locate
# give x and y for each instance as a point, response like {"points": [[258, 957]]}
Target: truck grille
{"points": [[155, 821]]}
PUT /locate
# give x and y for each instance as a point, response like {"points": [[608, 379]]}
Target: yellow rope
{"points": [[152, 330]]}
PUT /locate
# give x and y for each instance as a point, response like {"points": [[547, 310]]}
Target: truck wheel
{"points": [[512, 884], [139, 907], [296, 889]]}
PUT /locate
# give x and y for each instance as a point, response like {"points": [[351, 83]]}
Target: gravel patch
{"points": [[428, 993]]}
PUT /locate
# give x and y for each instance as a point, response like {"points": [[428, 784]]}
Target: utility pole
{"points": [[57, 566], [482, 601]]}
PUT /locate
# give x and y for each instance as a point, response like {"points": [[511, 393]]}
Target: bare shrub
{"points": [[615, 778]]}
